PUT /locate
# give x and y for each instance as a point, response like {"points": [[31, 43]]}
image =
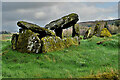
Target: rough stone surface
{"points": [[35, 39], [105, 33], [29, 42], [64, 22], [88, 34], [51, 43], [97, 30], [35, 28], [14, 41], [77, 30], [70, 41]]}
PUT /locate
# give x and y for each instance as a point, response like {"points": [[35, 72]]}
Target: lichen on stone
{"points": [[29, 42], [35, 28], [88, 34], [14, 41], [35, 39], [105, 33], [51, 43]]}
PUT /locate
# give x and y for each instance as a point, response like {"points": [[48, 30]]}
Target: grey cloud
{"points": [[10, 6], [119, 9], [42, 13], [61, 1]]}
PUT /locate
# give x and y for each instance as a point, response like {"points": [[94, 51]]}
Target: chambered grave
{"points": [[35, 39]]}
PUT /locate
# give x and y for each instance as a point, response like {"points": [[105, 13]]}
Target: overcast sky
{"points": [[42, 13]]}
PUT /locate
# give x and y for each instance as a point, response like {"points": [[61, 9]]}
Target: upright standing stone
{"points": [[14, 41], [29, 42], [58, 32], [88, 34], [73, 31]]}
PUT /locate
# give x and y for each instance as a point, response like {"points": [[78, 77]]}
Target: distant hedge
{"points": [[5, 32]]}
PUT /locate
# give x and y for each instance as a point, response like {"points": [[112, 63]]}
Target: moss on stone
{"points": [[96, 29], [105, 33], [70, 41], [28, 42], [51, 43], [88, 34], [77, 30], [35, 28], [14, 41], [64, 22]]}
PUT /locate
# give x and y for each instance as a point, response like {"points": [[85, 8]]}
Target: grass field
{"points": [[87, 59]]}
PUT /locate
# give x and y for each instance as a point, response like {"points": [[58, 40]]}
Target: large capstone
{"points": [[63, 23], [35, 28]]}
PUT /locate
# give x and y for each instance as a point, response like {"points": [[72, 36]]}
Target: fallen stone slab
{"points": [[35, 28]]}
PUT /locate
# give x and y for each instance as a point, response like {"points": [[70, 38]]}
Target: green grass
{"points": [[73, 62]]}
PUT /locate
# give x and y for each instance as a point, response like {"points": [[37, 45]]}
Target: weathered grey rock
{"points": [[29, 42], [53, 43], [35, 28], [35, 39], [70, 41], [14, 41], [88, 34], [63, 23], [77, 30], [105, 33]]}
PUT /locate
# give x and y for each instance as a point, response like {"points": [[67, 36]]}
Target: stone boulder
{"points": [[70, 41], [88, 34], [77, 30], [14, 41], [63, 23], [53, 43], [28, 42], [35, 28], [105, 33], [94, 31], [97, 30]]}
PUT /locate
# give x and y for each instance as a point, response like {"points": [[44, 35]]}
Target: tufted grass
{"points": [[74, 62]]}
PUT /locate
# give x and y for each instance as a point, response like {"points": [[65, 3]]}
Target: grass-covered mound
{"points": [[80, 61]]}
